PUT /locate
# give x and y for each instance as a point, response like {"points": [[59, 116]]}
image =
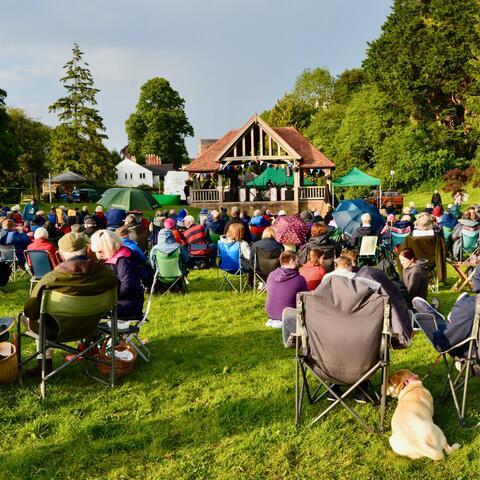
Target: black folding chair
{"points": [[264, 263], [466, 361], [338, 346]]}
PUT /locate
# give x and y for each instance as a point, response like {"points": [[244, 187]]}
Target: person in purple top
{"points": [[283, 284]]}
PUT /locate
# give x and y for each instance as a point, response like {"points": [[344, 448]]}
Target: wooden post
{"points": [[296, 183], [220, 188]]}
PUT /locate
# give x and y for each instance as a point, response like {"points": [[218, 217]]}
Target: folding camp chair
{"points": [[465, 275], [11, 256], [199, 255], [456, 381], [398, 235], [168, 271], [469, 240], [367, 250], [40, 264], [214, 237], [264, 263], [69, 318], [342, 338], [230, 265]]}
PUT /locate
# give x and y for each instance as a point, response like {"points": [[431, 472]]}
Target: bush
{"points": [[456, 178]]}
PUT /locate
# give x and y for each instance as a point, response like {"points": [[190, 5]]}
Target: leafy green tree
{"points": [[314, 87], [9, 149], [77, 143], [423, 60], [289, 112], [348, 83], [33, 139], [159, 125]]}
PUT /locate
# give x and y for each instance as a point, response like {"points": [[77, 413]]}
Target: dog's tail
{"points": [[451, 448]]}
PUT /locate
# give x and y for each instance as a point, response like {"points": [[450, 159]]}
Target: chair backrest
{"points": [[76, 316], [214, 237], [469, 240], [398, 238], [368, 246], [39, 261], [265, 263], [168, 266], [447, 233], [342, 324], [229, 256], [7, 252]]}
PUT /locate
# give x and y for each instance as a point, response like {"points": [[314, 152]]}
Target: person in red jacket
{"points": [[313, 271], [40, 242]]}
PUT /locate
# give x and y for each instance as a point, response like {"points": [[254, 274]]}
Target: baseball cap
{"points": [[72, 242]]}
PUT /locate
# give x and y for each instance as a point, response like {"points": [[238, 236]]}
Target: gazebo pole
{"points": [[220, 188], [296, 183]]}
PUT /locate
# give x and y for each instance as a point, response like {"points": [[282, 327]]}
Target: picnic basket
{"points": [[122, 367]]}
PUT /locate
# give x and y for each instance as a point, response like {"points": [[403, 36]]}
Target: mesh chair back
{"points": [[168, 266], [469, 240], [76, 316], [39, 261], [229, 254], [447, 233], [398, 238], [266, 263], [7, 252], [343, 322]]}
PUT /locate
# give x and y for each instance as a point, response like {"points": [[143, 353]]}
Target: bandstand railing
{"points": [[312, 193]]}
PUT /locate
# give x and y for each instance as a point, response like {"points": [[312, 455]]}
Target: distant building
{"points": [[132, 174]]}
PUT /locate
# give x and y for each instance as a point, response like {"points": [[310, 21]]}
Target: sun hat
{"points": [[169, 223], [72, 242]]}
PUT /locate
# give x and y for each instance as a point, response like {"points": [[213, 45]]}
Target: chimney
{"points": [[152, 160]]}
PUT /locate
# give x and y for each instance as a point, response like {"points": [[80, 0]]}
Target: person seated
{"points": [[137, 231], [235, 234], [428, 208], [109, 248], [215, 223], [124, 234], [89, 226], [166, 244], [307, 218], [156, 225], [423, 226], [202, 217], [115, 217], [364, 230], [268, 244], [235, 218], [99, 218], [448, 219], [40, 242], [17, 216], [197, 243], [283, 284], [404, 225], [170, 224], [76, 275], [179, 219], [84, 213], [257, 225], [456, 329], [15, 237], [313, 271], [139, 218], [414, 275], [344, 266], [319, 239]]}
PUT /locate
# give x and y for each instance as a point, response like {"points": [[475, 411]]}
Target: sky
{"points": [[228, 59]]}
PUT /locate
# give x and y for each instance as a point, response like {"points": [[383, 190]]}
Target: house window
{"points": [[131, 176], [126, 176]]}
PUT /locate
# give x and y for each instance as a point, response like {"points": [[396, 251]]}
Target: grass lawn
{"points": [[215, 402]]}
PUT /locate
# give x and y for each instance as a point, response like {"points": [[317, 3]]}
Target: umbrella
{"points": [[348, 215], [128, 199], [290, 230]]}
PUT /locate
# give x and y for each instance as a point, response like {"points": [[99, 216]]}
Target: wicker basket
{"points": [[122, 367], [9, 366]]}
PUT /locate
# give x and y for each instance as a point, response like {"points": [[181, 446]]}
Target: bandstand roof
{"points": [[257, 141]]}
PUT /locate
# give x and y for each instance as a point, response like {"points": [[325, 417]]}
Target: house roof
{"points": [[159, 169], [69, 177], [310, 157]]}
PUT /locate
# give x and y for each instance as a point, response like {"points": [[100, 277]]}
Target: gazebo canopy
{"points": [[277, 176], [356, 178]]}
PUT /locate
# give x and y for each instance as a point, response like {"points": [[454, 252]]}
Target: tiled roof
{"points": [[310, 156], [208, 162]]}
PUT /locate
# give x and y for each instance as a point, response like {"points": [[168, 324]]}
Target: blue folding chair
{"points": [[39, 263], [469, 240], [230, 265], [399, 235]]}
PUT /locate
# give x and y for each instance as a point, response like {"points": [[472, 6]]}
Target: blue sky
{"points": [[228, 59]]}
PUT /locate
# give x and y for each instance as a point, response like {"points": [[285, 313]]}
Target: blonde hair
{"points": [[351, 254], [269, 232], [343, 262], [424, 222], [235, 231], [8, 223], [107, 241]]}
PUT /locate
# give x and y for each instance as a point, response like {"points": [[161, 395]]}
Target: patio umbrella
{"points": [[128, 199], [290, 230], [348, 215]]}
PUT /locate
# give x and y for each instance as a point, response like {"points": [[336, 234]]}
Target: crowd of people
{"points": [[289, 254]]}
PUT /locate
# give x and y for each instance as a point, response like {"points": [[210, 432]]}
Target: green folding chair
{"points": [[214, 237], [70, 318], [168, 271]]}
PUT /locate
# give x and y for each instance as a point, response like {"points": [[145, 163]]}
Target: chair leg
{"points": [[43, 351], [383, 398]]}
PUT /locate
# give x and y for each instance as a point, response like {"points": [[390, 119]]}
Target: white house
{"points": [[132, 174]]}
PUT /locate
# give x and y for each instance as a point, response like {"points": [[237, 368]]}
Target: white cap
{"points": [[282, 213]]}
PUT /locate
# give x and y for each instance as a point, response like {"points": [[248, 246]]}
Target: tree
{"points": [[314, 87], [34, 146], [348, 83], [8, 143], [159, 125], [289, 112], [423, 60], [77, 143]]}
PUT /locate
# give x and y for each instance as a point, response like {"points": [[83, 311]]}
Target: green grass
{"points": [[215, 402]]}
